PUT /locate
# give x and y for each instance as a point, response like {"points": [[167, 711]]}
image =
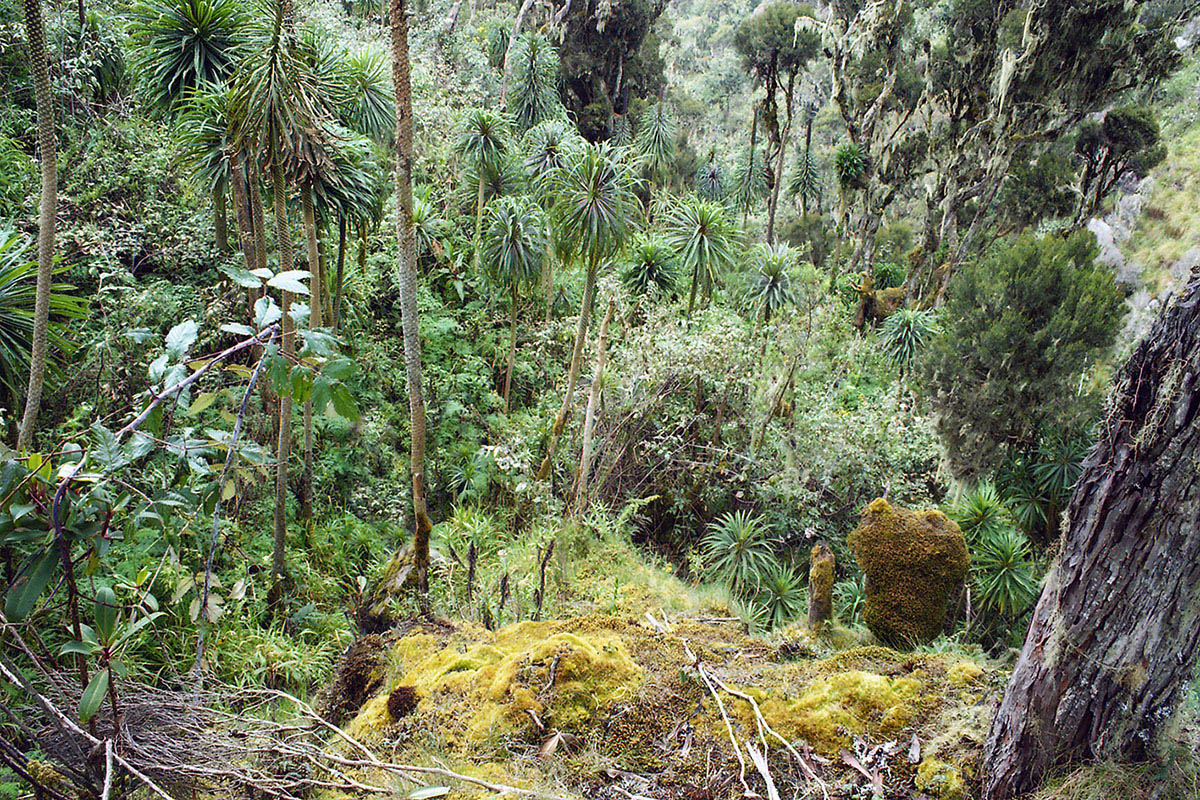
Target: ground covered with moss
{"points": [[634, 700]]}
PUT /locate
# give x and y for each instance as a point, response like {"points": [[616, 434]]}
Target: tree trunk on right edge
{"points": [[220, 221], [560, 421], [283, 445], [408, 291], [1114, 637], [35, 36]]}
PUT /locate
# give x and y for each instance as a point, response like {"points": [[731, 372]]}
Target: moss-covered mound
{"points": [[914, 561], [617, 694]]}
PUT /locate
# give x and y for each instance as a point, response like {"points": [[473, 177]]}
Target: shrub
{"points": [[1020, 327], [737, 551]]}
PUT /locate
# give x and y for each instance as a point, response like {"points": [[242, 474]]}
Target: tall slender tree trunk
{"points": [[339, 275], [479, 215], [548, 280], [315, 281], [220, 221], [287, 348], [750, 163], [560, 421], [512, 39], [241, 210], [1113, 641], [807, 161], [39, 68], [692, 291], [406, 231], [512, 345], [783, 143], [589, 417]]}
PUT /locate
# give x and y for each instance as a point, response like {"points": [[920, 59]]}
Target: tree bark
{"points": [[560, 421], [35, 35], [339, 275], [315, 315], [1114, 636], [408, 290], [241, 209], [283, 442], [589, 417], [220, 221]]}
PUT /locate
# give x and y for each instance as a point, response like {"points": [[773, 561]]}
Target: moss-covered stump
{"points": [[820, 586], [914, 561]]}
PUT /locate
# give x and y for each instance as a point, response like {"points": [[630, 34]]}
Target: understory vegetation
{"points": [[481, 415]]}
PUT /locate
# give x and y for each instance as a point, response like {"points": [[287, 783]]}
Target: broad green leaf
{"points": [[266, 312], [106, 448], [338, 369], [242, 277], [76, 647], [343, 403], [237, 330], [181, 337], [202, 402], [228, 490], [93, 695], [322, 393], [107, 613], [24, 593], [290, 281]]}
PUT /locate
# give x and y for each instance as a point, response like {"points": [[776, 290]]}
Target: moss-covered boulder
{"points": [[914, 562]]}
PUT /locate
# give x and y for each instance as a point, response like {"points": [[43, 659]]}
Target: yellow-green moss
{"points": [[820, 586], [829, 711], [964, 673], [914, 561], [490, 688], [940, 780]]}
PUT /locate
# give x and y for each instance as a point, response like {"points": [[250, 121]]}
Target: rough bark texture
{"points": [[1114, 637], [35, 36], [408, 288], [220, 221]]}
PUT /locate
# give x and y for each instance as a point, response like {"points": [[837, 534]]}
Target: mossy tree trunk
{"points": [[1114, 637], [408, 290], [821, 566], [39, 68]]}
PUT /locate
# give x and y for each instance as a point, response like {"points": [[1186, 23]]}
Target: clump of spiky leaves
{"points": [[805, 181], [850, 164], [18, 285], [749, 179], [905, 332], [769, 285], [889, 274], [711, 179], [1004, 573], [514, 242], [547, 146], [203, 137], [850, 597], [182, 46], [650, 269], [593, 202], [783, 593], [501, 178], [369, 106], [533, 93], [981, 513], [705, 239], [737, 550], [655, 139], [429, 226]]}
